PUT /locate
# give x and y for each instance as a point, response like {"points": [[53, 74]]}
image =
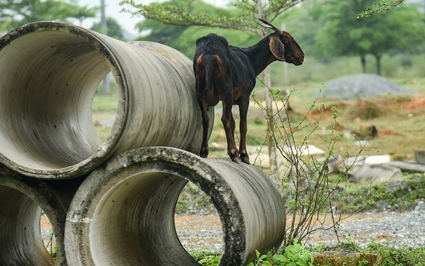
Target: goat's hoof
{"points": [[234, 155], [245, 158], [204, 153], [236, 159]]}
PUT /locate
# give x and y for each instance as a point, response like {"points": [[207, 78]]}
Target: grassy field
{"points": [[398, 118]]}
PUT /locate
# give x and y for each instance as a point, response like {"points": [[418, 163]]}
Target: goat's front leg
{"points": [[229, 127], [243, 111]]}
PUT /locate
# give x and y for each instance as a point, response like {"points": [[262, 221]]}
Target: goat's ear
{"points": [[277, 48]]}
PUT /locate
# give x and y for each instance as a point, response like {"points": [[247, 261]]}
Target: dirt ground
{"points": [[206, 232], [198, 232], [199, 224]]}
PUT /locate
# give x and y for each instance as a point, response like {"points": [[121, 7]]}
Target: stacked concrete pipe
{"points": [[112, 202], [50, 72], [123, 213], [22, 200]]}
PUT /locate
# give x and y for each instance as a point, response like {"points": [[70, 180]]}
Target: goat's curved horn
{"points": [[268, 25]]}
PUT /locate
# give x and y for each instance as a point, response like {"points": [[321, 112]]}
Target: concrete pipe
{"points": [[50, 72], [123, 213], [21, 203]]}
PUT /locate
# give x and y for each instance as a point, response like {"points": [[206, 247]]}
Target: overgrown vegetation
{"points": [[391, 256], [298, 255], [292, 255], [305, 181]]}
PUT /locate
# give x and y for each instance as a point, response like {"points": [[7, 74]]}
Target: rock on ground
{"points": [[361, 86]]}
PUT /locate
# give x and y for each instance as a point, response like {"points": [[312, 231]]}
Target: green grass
{"points": [[390, 256], [104, 106]]}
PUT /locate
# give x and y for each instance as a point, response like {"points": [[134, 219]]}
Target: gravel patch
{"points": [[389, 228], [198, 232], [361, 86], [392, 229]]}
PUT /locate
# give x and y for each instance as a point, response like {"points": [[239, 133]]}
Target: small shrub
{"points": [[206, 257], [365, 109], [294, 255]]}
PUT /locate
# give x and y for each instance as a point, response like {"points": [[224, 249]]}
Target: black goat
{"points": [[228, 73]]}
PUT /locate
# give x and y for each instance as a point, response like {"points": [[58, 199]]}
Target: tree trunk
{"points": [[378, 64], [269, 106], [363, 60], [270, 123], [104, 30]]}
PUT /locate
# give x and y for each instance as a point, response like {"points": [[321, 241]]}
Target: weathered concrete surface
{"points": [[21, 201], [407, 166], [375, 173], [420, 156], [50, 72], [123, 213]]}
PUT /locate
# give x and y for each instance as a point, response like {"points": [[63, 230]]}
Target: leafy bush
{"points": [[294, 255], [365, 109]]}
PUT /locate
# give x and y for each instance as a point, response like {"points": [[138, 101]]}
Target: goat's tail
{"points": [[209, 70], [211, 65]]}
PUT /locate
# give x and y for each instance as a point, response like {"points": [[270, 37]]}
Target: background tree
{"points": [[160, 32], [83, 12], [113, 29], [183, 38], [342, 34], [25, 11], [380, 7], [186, 40], [4, 25]]}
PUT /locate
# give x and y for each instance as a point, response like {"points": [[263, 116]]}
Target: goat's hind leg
{"points": [[205, 121], [229, 127], [204, 148]]}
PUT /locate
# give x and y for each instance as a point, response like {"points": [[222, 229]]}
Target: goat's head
{"points": [[283, 46]]}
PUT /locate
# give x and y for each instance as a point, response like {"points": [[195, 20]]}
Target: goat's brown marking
{"points": [[218, 70], [237, 93], [218, 65], [200, 65], [298, 53]]}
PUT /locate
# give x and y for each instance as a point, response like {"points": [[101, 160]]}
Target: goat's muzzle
{"points": [[299, 59]]}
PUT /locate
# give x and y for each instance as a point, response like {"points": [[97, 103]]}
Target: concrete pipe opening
{"points": [[50, 72], [21, 204], [123, 213]]}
